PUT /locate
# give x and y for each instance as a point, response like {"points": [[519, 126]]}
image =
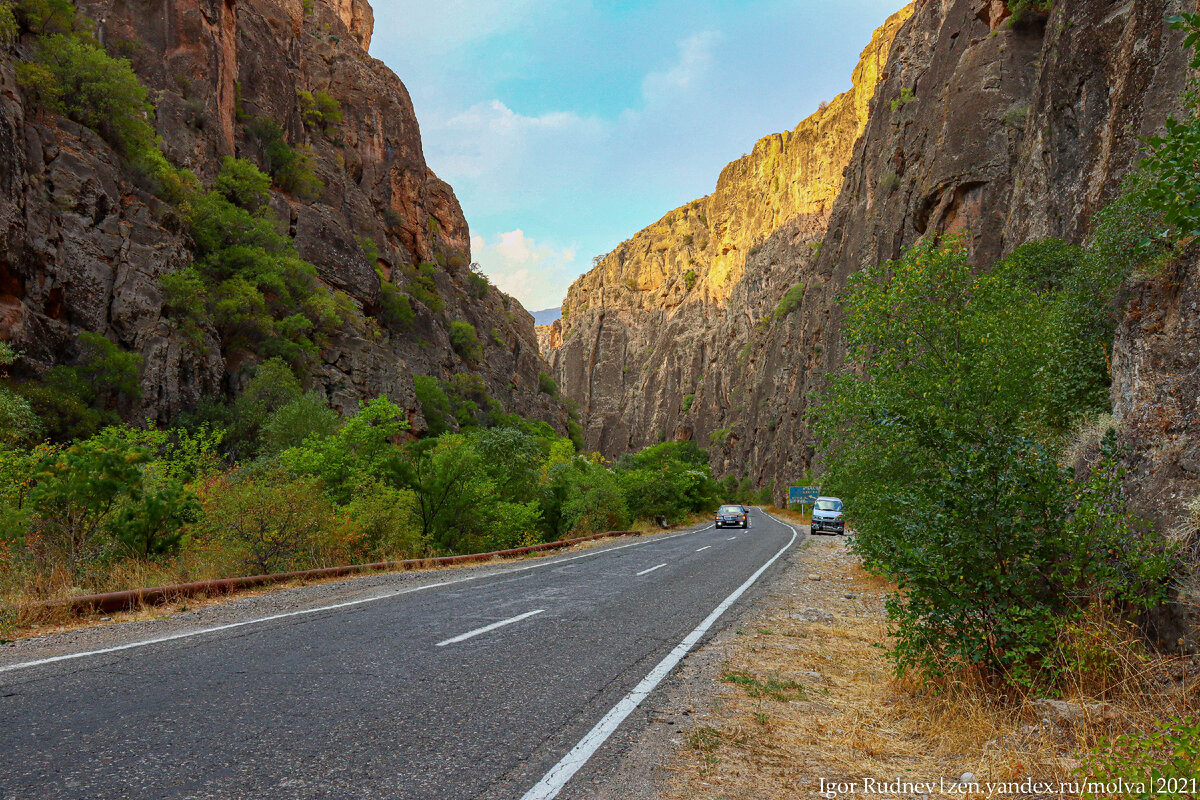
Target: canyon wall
{"points": [[1001, 132], [652, 342], [83, 244]]}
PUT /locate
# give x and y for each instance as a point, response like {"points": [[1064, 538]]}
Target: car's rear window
{"points": [[731, 510]]}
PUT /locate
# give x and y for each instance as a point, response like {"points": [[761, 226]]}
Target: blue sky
{"points": [[565, 126]]}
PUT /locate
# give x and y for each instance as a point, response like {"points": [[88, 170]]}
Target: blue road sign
{"points": [[803, 494]]}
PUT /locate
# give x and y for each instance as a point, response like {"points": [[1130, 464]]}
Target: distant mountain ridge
{"points": [[547, 316]]}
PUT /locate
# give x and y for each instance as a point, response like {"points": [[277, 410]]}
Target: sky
{"points": [[566, 126]]}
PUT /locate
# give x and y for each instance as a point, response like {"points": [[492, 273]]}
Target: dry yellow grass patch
{"points": [[23, 612], [856, 720]]}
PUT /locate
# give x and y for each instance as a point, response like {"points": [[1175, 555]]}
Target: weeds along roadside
{"points": [[807, 693]]}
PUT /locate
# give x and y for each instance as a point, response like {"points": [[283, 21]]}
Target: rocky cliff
{"points": [[654, 341], [84, 245], [1002, 132]]}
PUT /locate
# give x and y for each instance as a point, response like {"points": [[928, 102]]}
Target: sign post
{"points": [[803, 495]]}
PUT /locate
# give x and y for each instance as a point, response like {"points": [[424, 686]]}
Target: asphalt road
{"points": [[384, 699]]}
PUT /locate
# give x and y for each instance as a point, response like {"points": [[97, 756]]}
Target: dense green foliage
{"points": [[1174, 159], [247, 279], [291, 166], [465, 341], [1163, 761], [76, 401], [279, 481], [943, 440]]}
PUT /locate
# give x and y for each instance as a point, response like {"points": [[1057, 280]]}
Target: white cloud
{"points": [[450, 25], [536, 274], [490, 140], [687, 73]]}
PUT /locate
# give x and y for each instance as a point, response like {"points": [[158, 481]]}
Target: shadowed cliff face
{"points": [[1001, 133], [84, 246]]}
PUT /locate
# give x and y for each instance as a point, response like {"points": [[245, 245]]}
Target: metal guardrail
{"points": [[120, 601]]}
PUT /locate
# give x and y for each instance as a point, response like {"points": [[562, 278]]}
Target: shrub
{"points": [[906, 97], [319, 110], [272, 386], [718, 437], [689, 279], [435, 405], [1021, 9], [308, 416], [951, 401], [90, 497], [790, 301], [422, 287], [453, 493], [185, 301], [395, 309], [75, 401], [76, 78], [465, 342], [383, 518], [8, 24], [291, 167], [1165, 759], [360, 448], [243, 184], [547, 385], [477, 285], [688, 399], [1171, 166], [274, 521]]}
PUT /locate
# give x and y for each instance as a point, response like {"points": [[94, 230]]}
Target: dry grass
{"points": [[23, 612], [857, 720], [789, 514]]}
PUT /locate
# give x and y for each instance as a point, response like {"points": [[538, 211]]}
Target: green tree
{"points": [[91, 496], [939, 438], [454, 495], [74, 77], [362, 447], [275, 521], [465, 341], [306, 417], [75, 401]]}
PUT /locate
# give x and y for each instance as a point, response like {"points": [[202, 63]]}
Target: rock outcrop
{"points": [[653, 341], [1003, 133], [83, 245]]}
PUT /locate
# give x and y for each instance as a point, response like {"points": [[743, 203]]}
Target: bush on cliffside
{"points": [[942, 438]]}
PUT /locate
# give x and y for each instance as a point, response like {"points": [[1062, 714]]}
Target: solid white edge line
{"points": [[463, 637], [217, 628], [648, 571], [702, 549], [554, 780]]}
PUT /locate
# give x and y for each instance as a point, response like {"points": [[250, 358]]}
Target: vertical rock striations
{"points": [[720, 322], [651, 342], [84, 246]]}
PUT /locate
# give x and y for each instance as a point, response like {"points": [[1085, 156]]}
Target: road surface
{"points": [[495, 686]]}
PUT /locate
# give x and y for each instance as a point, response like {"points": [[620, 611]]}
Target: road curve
{"points": [[482, 688]]}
